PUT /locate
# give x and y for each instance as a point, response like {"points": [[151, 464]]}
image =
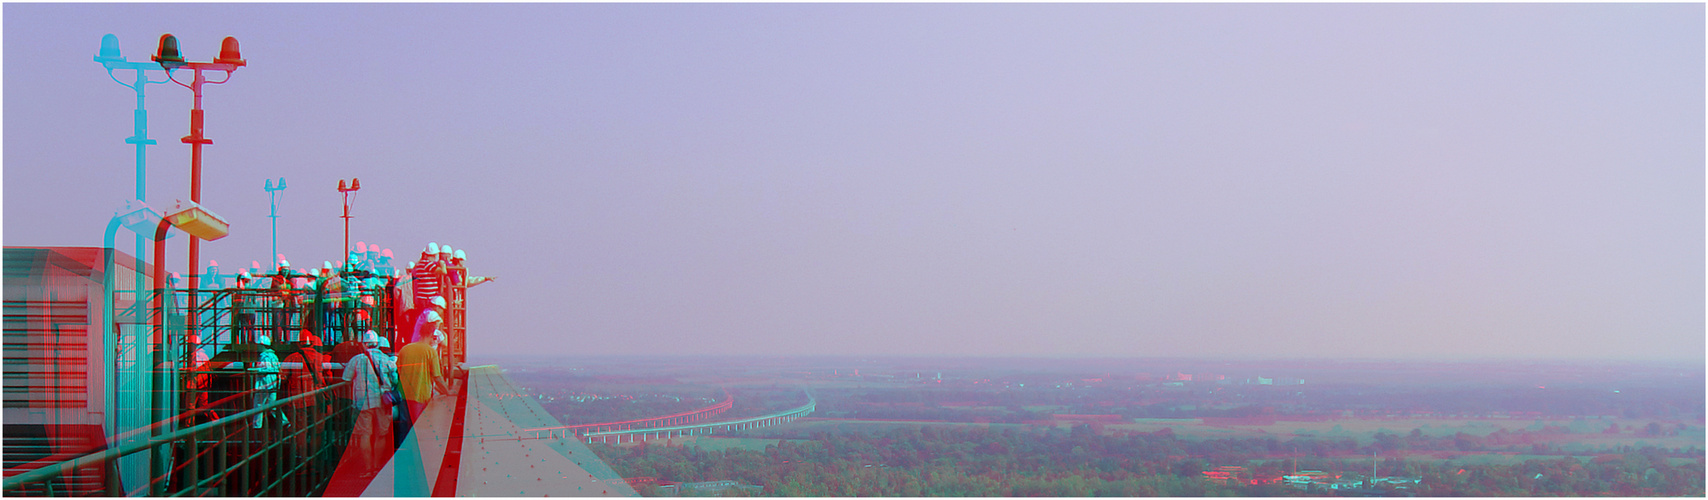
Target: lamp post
{"points": [[199, 223], [273, 193], [228, 61], [355, 185], [110, 58], [171, 59], [135, 214]]}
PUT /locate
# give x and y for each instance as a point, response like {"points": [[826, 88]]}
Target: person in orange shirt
{"points": [[418, 368]]}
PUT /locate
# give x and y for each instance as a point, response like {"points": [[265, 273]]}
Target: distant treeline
{"points": [[1215, 400], [973, 461]]}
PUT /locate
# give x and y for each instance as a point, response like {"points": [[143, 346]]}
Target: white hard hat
{"points": [[438, 301], [370, 337], [384, 342], [459, 254], [263, 339], [433, 317], [432, 248], [326, 264], [284, 263], [445, 249]]}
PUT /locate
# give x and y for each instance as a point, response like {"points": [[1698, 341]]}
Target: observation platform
{"points": [[488, 453]]}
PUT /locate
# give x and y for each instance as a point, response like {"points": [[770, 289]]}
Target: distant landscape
{"points": [[1142, 427]]}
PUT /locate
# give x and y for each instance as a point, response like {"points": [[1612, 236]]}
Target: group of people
{"points": [[416, 373], [388, 390]]}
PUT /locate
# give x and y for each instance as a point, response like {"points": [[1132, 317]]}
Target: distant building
{"points": [[1305, 478], [1228, 475]]}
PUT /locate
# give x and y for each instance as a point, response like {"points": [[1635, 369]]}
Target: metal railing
{"points": [[226, 457], [229, 316]]}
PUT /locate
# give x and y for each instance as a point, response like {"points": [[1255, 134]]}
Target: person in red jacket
{"points": [[302, 373]]}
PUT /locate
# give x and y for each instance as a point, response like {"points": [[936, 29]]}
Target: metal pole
{"points": [[273, 213], [161, 463], [195, 140], [355, 185], [346, 250], [110, 58]]}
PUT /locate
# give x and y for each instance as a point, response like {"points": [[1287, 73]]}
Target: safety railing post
{"points": [[194, 468]]}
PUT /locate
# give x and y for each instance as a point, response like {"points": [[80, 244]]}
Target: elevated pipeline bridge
{"points": [[675, 419], [694, 429]]}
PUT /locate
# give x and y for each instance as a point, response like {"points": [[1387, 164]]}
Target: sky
{"points": [[1150, 180]]}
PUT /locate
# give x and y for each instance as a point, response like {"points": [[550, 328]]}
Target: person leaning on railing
{"points": [[418, 367]]}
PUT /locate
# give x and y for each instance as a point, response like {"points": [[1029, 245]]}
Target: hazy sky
{"points": [[1116, 180]]}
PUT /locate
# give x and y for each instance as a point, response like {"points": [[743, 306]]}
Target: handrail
{"points": [[187, 414], [52, 471]]}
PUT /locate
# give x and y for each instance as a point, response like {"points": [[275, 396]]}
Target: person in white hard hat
{"points": [[418, 367], [286, 303], [242, 319], [457, 262], [427, 277], [418, 319], [382, 262], [302, 376], [371, 438], [266, 373]]}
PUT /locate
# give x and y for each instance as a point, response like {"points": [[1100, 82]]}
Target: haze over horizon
{"points": [[1152, 180]]}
